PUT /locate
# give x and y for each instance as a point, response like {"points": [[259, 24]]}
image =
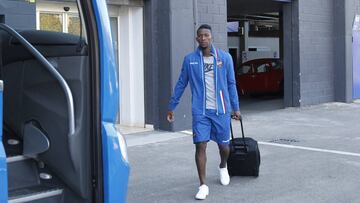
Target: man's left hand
{"points": [[236, 115]]}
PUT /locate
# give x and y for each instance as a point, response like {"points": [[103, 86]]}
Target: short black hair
{"points": [[204, 26]]}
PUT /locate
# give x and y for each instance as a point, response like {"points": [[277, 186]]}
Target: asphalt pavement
{"points": [[308, 154]]}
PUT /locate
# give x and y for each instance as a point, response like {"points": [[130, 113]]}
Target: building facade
{"points": [[152, 37], [316, 49]]}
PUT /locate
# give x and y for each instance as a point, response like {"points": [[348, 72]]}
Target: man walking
{"points": [[214, 96]]}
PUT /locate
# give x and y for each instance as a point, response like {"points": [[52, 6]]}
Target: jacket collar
{"points": [[212, 51]]}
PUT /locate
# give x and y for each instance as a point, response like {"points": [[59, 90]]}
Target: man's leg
{"points": [[221, 130], [200, 158], [224, 151], [201, 131]]}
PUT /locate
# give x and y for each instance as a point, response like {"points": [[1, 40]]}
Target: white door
{"points": [[131, 64]]}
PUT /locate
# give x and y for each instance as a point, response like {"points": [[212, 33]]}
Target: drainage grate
{"points": [[284, 141]]}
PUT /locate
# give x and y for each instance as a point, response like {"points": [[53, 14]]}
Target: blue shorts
{"points": [[211, 126]]}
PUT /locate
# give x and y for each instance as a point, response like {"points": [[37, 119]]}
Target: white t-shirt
{"points": [[209, 82]]}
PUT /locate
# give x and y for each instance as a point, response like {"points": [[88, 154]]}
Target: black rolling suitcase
{"points": [[244, 159]]}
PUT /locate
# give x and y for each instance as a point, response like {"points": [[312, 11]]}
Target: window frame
{"points": [[54, 8]]}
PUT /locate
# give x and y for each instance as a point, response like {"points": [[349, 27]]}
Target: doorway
{"points": [[256, 30], [127, 32]]}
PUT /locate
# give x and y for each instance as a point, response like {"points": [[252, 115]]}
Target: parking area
{"points": [[308, 154]]}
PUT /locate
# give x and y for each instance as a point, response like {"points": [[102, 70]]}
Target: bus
{"points": [[59, 103]]}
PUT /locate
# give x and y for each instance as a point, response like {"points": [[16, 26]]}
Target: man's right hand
{"points": [[170, 116]]}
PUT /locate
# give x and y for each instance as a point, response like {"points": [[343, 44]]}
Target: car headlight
{"points": [[123, 147]]}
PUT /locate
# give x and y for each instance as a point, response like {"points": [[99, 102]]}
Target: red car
{"points": [[260, 76]]}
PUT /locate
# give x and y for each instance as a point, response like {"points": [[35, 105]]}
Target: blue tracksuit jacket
{"points": [[193, 71]]}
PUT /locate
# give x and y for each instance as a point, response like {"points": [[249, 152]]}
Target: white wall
{"points": [[269, 42], [268, 47]]}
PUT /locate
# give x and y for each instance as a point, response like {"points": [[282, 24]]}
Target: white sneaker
{"points": [[224, 176], [202, 193]]}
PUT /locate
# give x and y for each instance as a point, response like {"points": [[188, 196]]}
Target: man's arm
{"points": [[178, 90], [234, 99]]}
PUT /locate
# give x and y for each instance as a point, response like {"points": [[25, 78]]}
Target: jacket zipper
{"points": [[216, 87], [203, 80]]}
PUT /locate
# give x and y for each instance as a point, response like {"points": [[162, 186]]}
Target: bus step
{"points": [[40, 194], [22, 172]]}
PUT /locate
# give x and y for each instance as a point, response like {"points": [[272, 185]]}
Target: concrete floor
{"points": [[249, 105], [124, 130], [308, 154]]}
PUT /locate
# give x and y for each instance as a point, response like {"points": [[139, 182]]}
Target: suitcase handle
{"points": [[242, 132]]}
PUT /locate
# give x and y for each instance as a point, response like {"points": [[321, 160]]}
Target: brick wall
{"points": [[174, 31], [214, 13], [316, 50], [357, 6]]}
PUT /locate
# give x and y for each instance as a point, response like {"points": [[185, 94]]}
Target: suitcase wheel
{"points": [[256, 173]]}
